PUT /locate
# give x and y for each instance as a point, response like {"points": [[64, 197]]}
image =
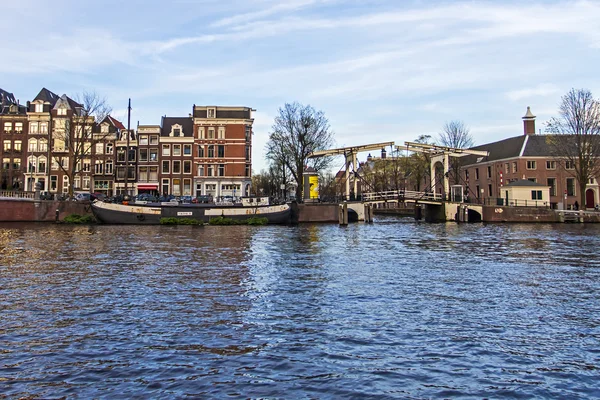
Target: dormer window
{"points": [[39, 108], [176, 130], [61, 111], [211, 112], [104, 128]]}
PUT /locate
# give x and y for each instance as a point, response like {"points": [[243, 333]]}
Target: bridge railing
{"points": [[401, 195], [16, 194]]}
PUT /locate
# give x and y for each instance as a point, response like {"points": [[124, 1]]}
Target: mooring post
{"points": [[343, 214], [57, 214]]}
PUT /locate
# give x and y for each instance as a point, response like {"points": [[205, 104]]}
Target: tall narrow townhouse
{"points": [[103, 158], [13, 133], [223, 138], [148, 160], [176, 157], [126, 163], [39, 117]]}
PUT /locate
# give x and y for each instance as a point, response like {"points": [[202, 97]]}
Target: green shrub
{"points": [[179, 221], [229, 221], [79, 219]]}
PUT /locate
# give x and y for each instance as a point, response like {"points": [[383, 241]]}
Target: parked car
{"points": [[185, 199], [83, 197], [203, 198]]}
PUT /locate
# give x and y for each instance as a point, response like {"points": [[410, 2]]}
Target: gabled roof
{"points": [[7, 98], [507, 148], [187, 124], [46, 96], [114, 122], [524, 183]]}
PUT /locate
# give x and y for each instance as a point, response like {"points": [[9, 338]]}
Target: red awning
{"points": [[147, 187]]}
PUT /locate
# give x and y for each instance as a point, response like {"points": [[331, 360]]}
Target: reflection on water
{"points": [[396, 309]]}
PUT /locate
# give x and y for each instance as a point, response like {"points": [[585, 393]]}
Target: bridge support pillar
{"points": [[343, 214], [368, 213]]}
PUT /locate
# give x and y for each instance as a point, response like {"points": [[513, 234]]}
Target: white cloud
{"points": [[544, 89]]}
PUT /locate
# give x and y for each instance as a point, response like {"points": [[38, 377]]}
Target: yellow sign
{"points": [[313, 181]]}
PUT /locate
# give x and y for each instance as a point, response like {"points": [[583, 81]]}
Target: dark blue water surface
{"points": [[396, 309]]}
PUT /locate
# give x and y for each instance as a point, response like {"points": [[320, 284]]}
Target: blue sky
{"points": [[379, 70]]}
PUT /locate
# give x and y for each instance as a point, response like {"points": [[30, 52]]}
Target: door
{"points": [[589, 199]]}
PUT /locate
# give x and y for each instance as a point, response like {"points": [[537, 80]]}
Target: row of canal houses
{"points": [[206, 153]]}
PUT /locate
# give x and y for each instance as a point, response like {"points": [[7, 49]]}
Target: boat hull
{"points": [[151, 214]]}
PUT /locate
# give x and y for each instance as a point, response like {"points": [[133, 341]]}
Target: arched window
{"points": [[33, 145], [43, 145], [31, 164]]}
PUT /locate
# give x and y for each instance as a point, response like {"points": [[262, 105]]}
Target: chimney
{"points": [[529, 122], [383, 153]]}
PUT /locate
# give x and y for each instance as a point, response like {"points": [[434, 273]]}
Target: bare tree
{"points": [[575, 143], [298, 131], [75, 134], [456, 134]]}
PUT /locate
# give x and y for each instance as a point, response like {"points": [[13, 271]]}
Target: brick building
{"points": [[176, 156], [13, 136], [223, 140], [527, 156]]}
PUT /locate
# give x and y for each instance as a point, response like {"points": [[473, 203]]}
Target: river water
{"points": [[395, 309]]}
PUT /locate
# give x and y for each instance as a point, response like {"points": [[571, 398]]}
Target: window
{"points": [[77, 182], [61, 111], [176, 149], [166, 149], [476, 173], [132, 155], [187, 167], [143, 140], [211, 133], [211, 151], [121, 155], [109, 148], [42, 164], [477, 191], [143, 154], [531, 164], [209, 170], [108, 168], [34, 128], [177, 132], [248, 154], [99, 148], [536, 195], [532, 179], [86, 182], [87, 165], [7, 145], [490, 190], [154, 139], [53, 183], [6, 163], [221, 169], [220, 151], [247, 170], [39, 108], [221, 132], [552, 183], [489, 171], [514, 167], [569, 165], [187, 187], [248, 133], [176, 187], [104, 128], [153, 174], [7, 126], [33, 145], [153, 154], [570, 186], [31, 164], [200, 170], [99, 167], [201, 151], [166, 167], [550, 164], [18, 127], [210, 112], [43, 145], [187, 149], [43, 127], [165, 186], [176, 167], [143, 174], [200, 132]]}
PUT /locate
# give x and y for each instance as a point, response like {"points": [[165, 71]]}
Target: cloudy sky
{"points": [[381, 70]]}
